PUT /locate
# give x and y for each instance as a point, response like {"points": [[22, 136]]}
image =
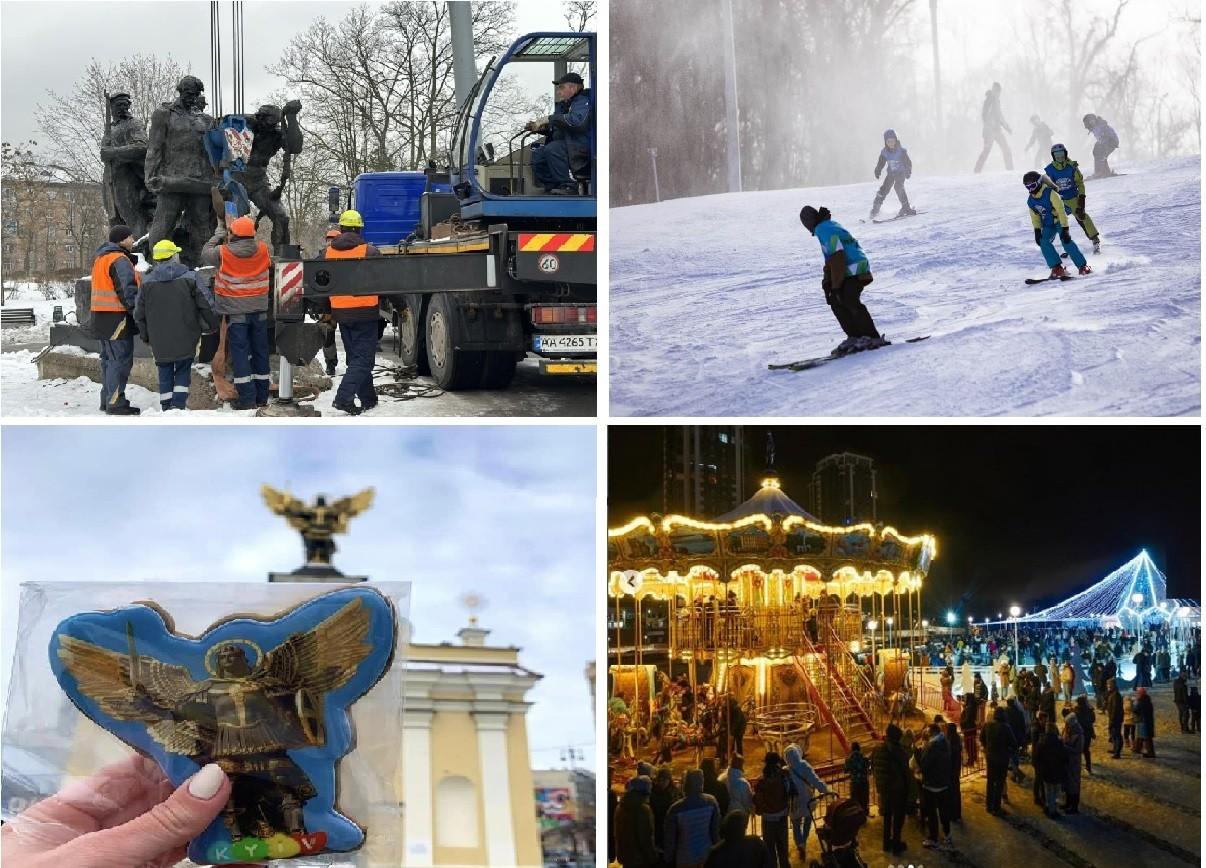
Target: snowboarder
{"points": [[847, 272], [1066, 176], [995, 127], [1107, 143], [1049, 218], [1040, 136], [896, 160]]}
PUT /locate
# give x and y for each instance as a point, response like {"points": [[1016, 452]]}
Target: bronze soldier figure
{"points": [[272, 130], [179, 171], [124, 152]]}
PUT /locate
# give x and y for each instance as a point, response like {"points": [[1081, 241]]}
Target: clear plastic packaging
{"points": [[316, 649]]}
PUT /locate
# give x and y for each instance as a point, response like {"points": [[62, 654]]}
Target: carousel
{"points": [[758, 629]]}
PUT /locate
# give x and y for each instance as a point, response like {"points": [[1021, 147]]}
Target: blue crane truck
{"points": [[479, 266]]}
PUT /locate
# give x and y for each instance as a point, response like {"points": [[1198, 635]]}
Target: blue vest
{"points": [[833, 237], [1042, 206], [1065, 178], [894, 160]]}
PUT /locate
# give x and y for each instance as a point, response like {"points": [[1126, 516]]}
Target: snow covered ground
{"points": [[705, 292], [29, 295]]}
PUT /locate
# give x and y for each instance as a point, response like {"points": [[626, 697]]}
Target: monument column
{"points": [[496, 787]]}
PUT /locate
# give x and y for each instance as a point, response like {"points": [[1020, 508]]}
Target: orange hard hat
{"points": [[332, 233], [244, 227]]}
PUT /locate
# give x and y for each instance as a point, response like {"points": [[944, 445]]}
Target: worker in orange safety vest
{"points": [[115, 284]]}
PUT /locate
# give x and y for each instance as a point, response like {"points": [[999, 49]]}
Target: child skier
{"points": [[1066, 176], [1106, 144], [1040, 136], [847, 272], [1049, 218], [896, 159]]}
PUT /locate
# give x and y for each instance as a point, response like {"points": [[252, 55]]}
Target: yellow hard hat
{"points": [[164, 249], [352, 219]]}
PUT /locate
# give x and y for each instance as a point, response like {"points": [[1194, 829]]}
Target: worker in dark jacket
{"points": [[357, 317], [568, 132], [997, 739], [172, 313], [241, 296], [114, 295]]}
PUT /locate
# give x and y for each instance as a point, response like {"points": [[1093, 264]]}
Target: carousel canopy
{"points": [[1134, 592], [768, 500]]}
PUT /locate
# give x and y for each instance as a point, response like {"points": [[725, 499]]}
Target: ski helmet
{"points": [[809, 217], [890, 134], [1059, 146], [1032, 180]]}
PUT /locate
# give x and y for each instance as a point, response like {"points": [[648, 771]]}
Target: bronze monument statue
{"points": [[272, 130], [124, 153], [318, 522], [179, 172]]}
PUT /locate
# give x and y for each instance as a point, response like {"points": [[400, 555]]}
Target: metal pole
{"points": [[733, 138], [460, 18], [657, 192], [284, 389]]}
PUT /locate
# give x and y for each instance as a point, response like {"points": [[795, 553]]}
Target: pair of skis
{"points": [[807, 364], [892, 219]]}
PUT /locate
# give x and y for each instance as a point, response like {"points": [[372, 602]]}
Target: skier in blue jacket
{"points": [[847, 273], [1050, 218], [896, 160], [1066, 176]]}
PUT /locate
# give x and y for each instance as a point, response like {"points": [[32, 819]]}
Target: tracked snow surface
{"points": [[707, 291]]}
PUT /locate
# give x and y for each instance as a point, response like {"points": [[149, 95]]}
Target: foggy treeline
{"points": [[818, 81]]}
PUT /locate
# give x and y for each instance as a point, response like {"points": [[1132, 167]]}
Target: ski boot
{"points": [[905, 211], [844, 347], [1084, 269], [1096, 244], [1058, 272]]}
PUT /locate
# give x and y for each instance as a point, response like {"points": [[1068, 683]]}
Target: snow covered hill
{"points": [[705, 292]]}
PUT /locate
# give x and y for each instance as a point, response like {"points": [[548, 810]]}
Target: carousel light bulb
{"points": [[872, 624], [889, 620], [925, 623]]}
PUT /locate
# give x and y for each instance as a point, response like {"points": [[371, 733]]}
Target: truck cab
{"points": [[481, 266]]}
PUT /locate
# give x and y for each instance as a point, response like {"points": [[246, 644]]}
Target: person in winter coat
{"points": [[806, 784], [114, 296], [692, 825], [771, 803], [1113, 710], [568, 135], [172, 313], [995, 128], [664, 795], [714, 786], [1051, 766], [1040, 137], [899, 167], [857, 766], [1145, 724], [737, 849], [1065, 174], [954, 795], [1016, 718], [741, 796], [635, 847], [1087, 718], [1143, 667], [890, 766], [847, 273], [1038, 728], [1049, 219], [1074, 745], [968, 723], [242, 267], [934, 762], [1128, 722], [1106, 144], [1195, 709], [998, 743], [1181, 700]]}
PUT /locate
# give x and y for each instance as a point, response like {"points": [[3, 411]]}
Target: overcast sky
{"points": [[508, 512], [40, 54]]}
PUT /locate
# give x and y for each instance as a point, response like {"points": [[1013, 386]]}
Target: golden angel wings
{"points": [[317, 661], [299, 514]]}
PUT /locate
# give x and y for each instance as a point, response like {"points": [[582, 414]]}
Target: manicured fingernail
{"points": [[206, 782]]}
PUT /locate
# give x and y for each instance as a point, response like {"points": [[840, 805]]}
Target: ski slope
{"points": [[706, 291]]}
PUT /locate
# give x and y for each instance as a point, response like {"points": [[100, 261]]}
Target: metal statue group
{"points": [[192, 170]]}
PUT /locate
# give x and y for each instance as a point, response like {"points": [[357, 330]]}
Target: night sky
{"points": [[1023, 514]]}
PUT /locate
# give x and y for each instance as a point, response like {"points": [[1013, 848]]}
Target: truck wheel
{"points": [[452, 369], [412, 335], [499, 369]]}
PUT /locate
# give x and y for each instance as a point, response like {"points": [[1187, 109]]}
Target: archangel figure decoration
{"points": [[318, 522]]}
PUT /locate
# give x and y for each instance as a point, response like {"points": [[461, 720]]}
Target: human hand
{"points": [[127, 814]]}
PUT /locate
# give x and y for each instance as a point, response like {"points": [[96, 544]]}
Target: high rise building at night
{"points": [[703, 469], [843, 489]]}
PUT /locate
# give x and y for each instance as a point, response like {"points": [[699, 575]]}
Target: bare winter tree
{"points": [[25, 180], [579, 14], [73, 123]]}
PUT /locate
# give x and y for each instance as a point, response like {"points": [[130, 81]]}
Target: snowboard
{"points": [[1031, 281], [805, 364]]}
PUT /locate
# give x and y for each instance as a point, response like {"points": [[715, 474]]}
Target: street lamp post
{"points": [[925, 661], [1014, 611], [891, 634], [871, 625]]}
